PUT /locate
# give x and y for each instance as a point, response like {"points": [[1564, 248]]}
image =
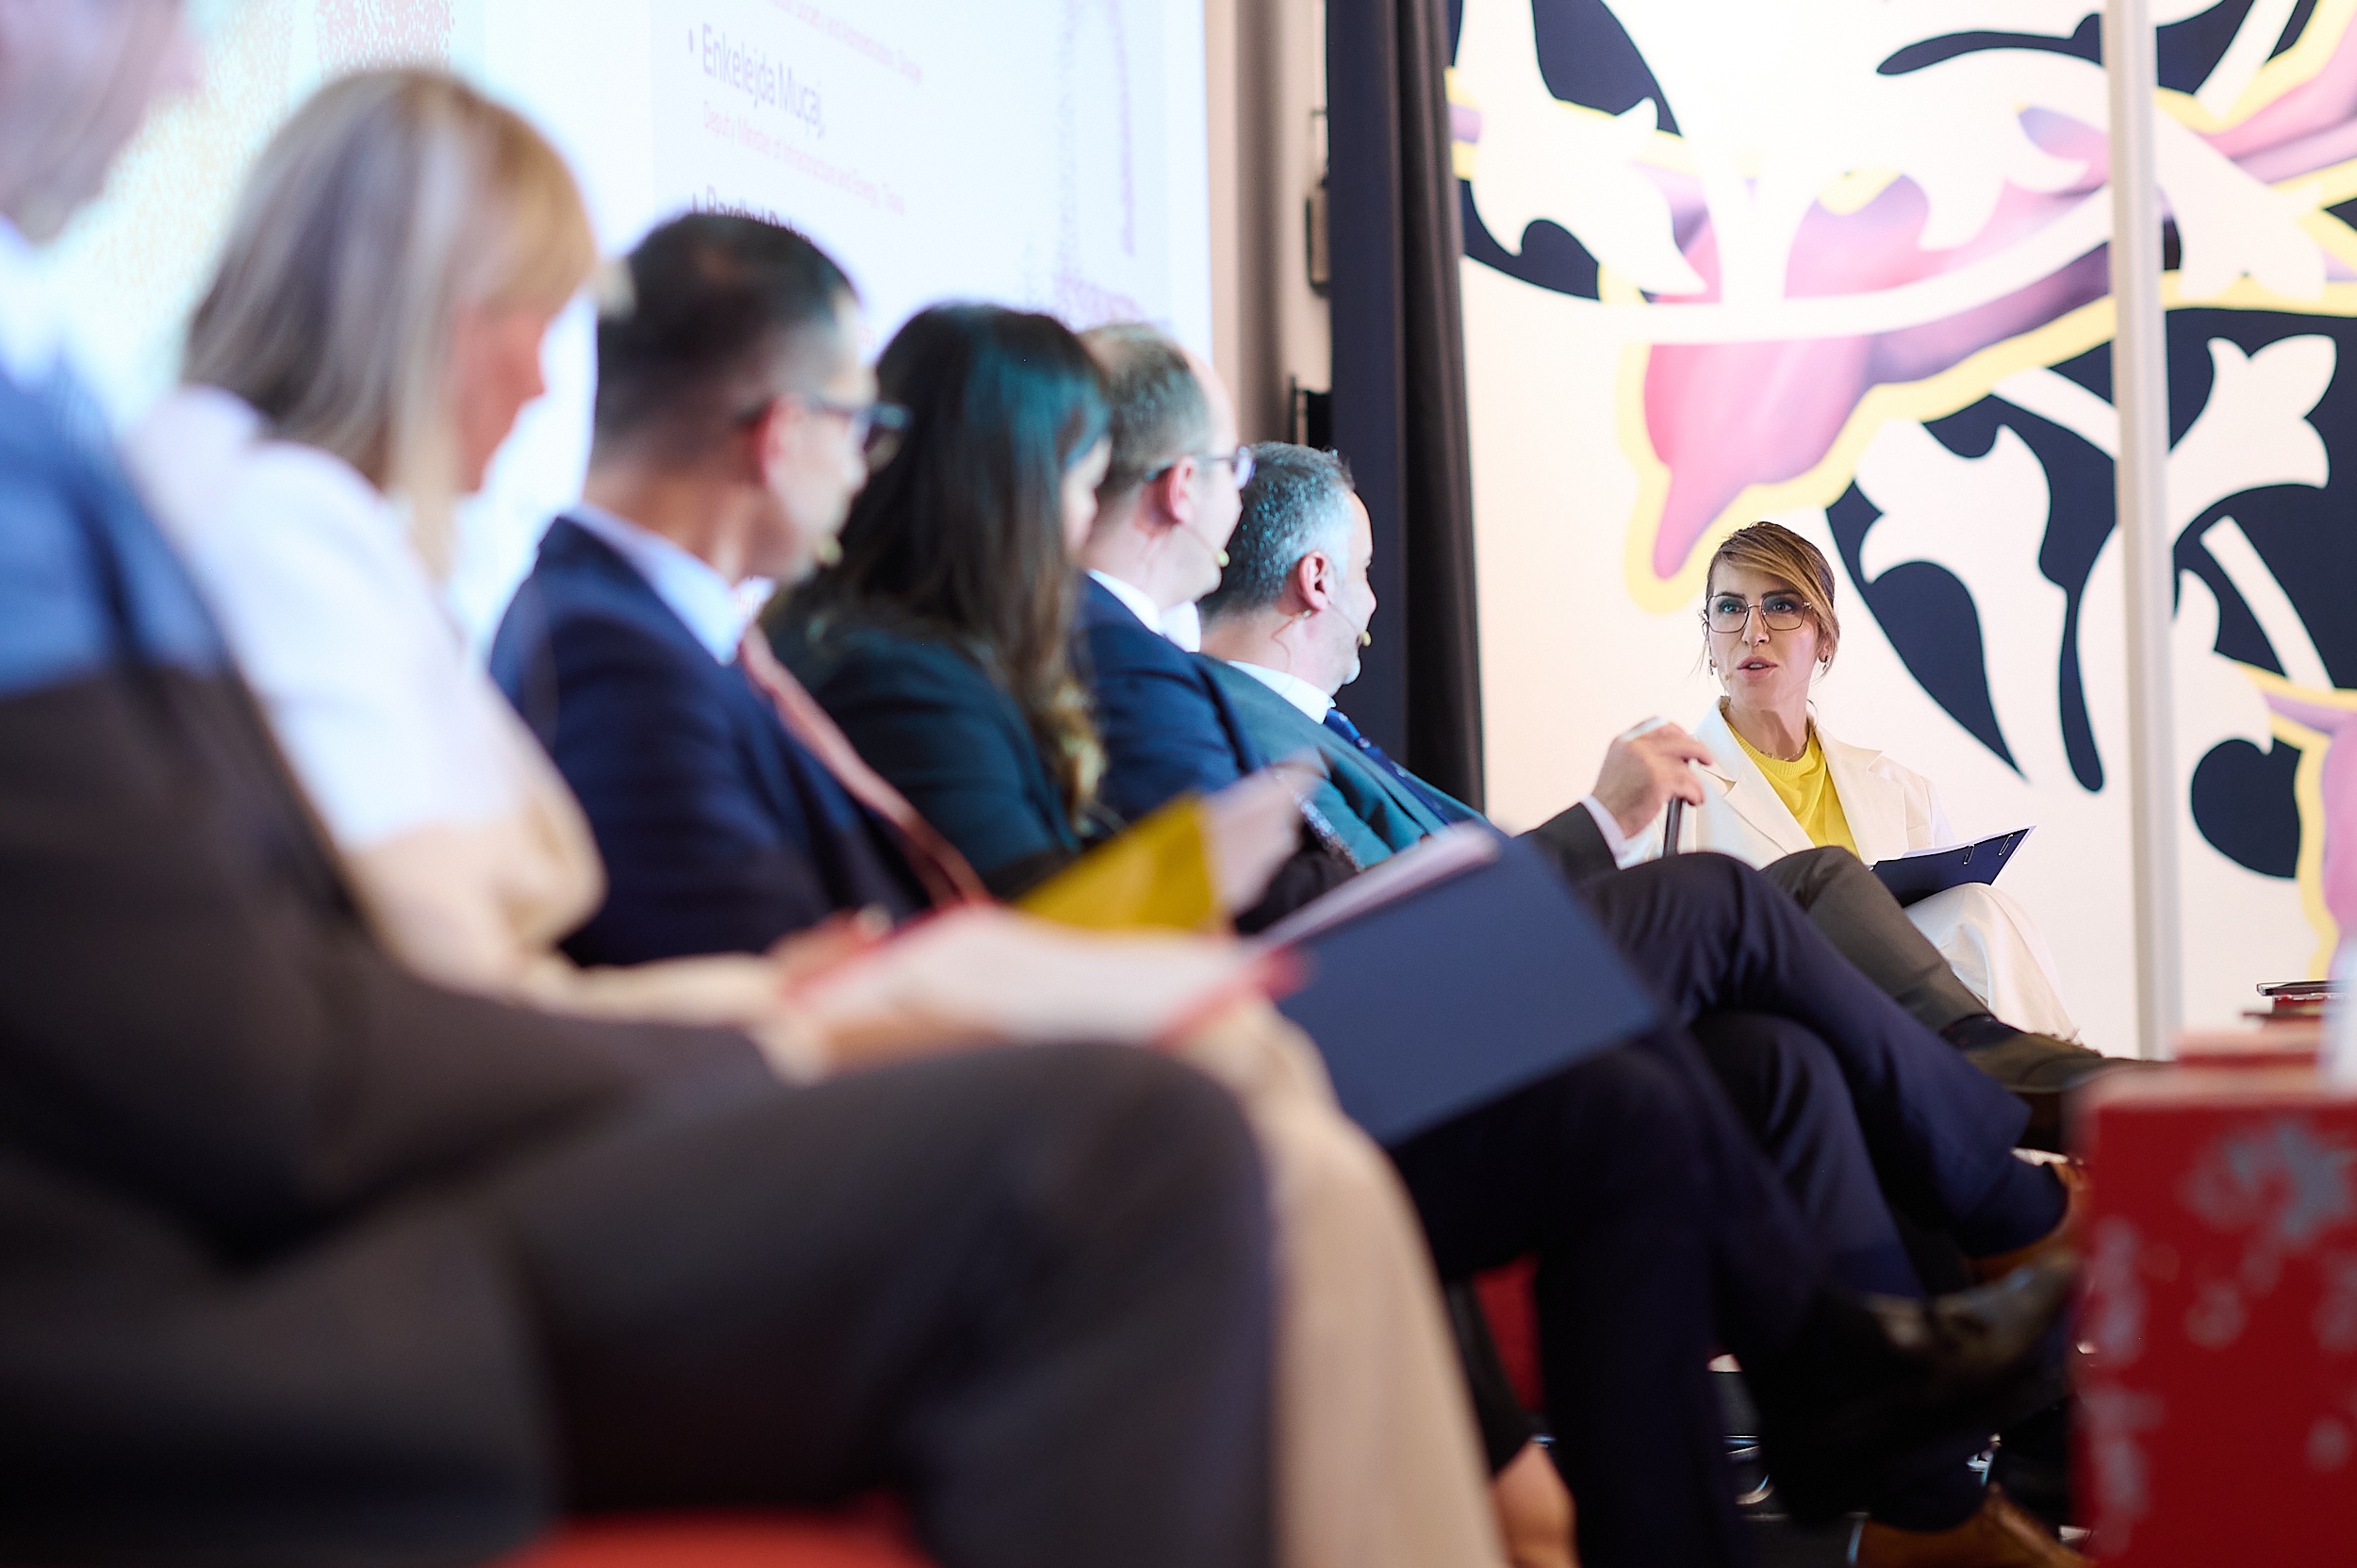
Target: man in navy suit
{"points": [[1158, 545], [719, 831]]}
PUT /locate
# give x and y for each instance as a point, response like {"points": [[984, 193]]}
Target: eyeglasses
{"points": [[877, 428], [1782, 612], [1239, 460]]}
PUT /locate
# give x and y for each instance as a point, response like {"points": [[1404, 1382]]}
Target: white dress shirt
{"points": [[1314, 704], [1183, 625], [330, 612], [715, 610]]}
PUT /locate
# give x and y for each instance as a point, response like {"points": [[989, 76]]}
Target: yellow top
{"points": [[1805, 788]]}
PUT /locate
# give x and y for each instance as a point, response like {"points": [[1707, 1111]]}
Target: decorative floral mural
{"points": [[1843, 263]]}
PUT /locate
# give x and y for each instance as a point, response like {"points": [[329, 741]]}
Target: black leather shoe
{"points": [[1873, 1395], [2038, 1069]]}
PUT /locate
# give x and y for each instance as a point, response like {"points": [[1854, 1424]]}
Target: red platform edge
{"points": [[869, 1538]]}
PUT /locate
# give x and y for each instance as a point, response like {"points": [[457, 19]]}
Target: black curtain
{"points": [[1399, 378]]}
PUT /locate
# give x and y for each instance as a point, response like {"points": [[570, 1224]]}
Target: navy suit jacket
{"points": [[718, 832], [1169, 728], [926, 715]]}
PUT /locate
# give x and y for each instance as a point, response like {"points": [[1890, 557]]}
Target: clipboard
{"points": [[1919, 873]]}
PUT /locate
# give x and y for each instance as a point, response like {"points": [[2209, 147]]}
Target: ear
{"points": [[759, 446], [1312, 580], [1173, 494]]}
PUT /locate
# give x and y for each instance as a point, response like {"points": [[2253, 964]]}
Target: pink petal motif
{"points": [[362, 35], [2270, 145], [2340, 804], [1725, 416]]}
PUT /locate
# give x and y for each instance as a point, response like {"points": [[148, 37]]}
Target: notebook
{"points": [[1919, 873], [1450, 976]]}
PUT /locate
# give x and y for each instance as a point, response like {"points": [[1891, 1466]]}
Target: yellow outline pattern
{"points": [[2308, 789]]}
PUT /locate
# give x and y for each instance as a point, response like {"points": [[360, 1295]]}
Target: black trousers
{"points": [[1030, 1288], [1662, 1231], [1859, 916], [1788, 1091], [1708, 933], [1787, 1087], [1660, 1234]]}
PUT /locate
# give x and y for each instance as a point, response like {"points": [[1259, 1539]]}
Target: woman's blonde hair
{"points": [[387, 205], [1775, 551]]}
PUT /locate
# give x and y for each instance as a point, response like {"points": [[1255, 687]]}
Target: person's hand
{"points": [[1252, 826], [1534, 1512], [985, 976], [1646, 769], [806, 954]]}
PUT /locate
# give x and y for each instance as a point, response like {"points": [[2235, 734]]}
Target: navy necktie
{"points": [[1439, 805]]}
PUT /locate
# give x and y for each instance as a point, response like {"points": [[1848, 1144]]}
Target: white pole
{"points": [[2140, 392]]}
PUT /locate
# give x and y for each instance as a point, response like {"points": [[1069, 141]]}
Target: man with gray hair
{"points": [[1170, 498], [1297, 603]]}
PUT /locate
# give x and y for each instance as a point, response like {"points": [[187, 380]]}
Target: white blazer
{"points": [[1890, 807], [1985, 935]]}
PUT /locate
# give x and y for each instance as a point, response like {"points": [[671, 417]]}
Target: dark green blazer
{"points": [[923, 713]]}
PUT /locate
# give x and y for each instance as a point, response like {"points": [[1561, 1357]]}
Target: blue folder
{"points": [[1462, 992], [1917, 877]]}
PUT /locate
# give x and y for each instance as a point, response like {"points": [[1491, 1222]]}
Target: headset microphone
{"points": [[1219, 557]]}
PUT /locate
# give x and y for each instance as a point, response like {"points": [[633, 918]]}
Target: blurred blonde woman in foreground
{"points": [[374, 332]]}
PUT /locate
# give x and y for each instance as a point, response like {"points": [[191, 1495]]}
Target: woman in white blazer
{"points": [[1781, 784]]}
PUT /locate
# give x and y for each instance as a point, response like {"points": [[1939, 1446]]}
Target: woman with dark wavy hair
{"points": [[937, 641], [957, 564]]}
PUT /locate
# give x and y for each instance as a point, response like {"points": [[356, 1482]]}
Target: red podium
{"points": [[2217, 1415]]}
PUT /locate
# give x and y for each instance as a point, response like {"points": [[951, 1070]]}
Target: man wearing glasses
{"points": [[714, 474], [1169, 501]]}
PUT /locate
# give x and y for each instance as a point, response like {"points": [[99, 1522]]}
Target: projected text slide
{"points": [[1013, 153]]}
